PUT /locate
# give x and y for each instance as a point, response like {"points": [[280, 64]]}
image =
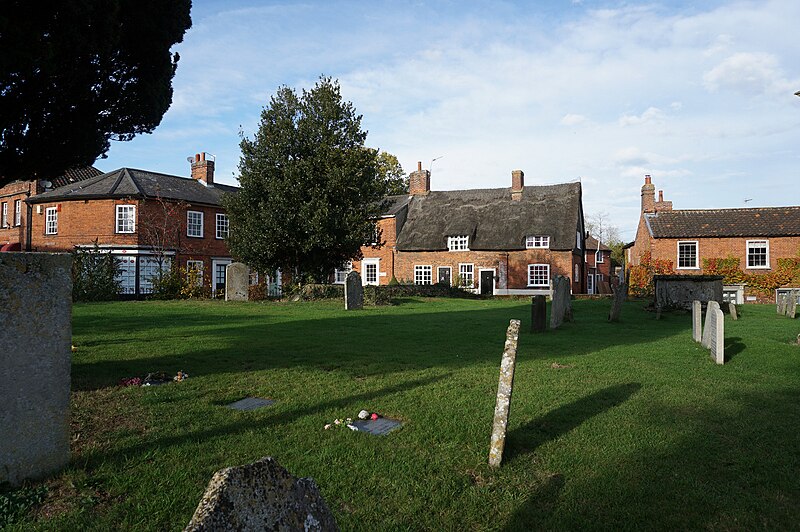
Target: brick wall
{"points": [[9, 194], [708, 248]]}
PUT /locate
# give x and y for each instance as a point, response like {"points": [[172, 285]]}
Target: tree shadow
{"points": [[530, 436], [539, 505]]}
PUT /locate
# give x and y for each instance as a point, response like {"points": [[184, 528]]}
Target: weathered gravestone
{"points": [[791, 304], [706, 341], [697, 321], [353, 292], [261, 496], [715, 322], [35, 339], [237, 282], [504, 389], [538, 314], [379, 427], [561, 306], [620, 295], [733, 311], [782, 302]]}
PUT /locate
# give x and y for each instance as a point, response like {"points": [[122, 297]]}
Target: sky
{"points": [[700, 95]]}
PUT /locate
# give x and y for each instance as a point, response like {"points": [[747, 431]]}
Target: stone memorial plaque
{"points": [[716, 325], [379, 427], [353, 292], [251, 403], [697, 321], [237, 282], [505, 387]]}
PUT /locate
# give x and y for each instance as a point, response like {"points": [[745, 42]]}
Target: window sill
{"points": [[688, 268], [194, 236], [758, 268]]}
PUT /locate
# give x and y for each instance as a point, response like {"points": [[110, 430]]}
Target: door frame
{"points": [[590, 283], [494, 279], [445, 268], [214, 263], [377, 263]]}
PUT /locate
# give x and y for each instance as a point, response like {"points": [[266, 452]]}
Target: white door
{"points": [[369, 271], [590, 284]]}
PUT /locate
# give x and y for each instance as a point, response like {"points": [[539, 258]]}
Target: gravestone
{"points": [[791, 304], [353, 292], [504, 389], [697, 321], [782, 302], [379, 427], [561, 306], [261, 496], [715, 322], [237, 282], [35, 340], [733, 311], [706, 341], [620, 295], [538, 314], [678, 291]]}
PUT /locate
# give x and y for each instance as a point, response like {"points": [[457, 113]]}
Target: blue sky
{"points": [[698, 94]]}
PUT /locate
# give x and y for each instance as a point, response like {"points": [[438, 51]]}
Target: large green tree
{"points": [[310, 189], [391, 172], [75, 74]]}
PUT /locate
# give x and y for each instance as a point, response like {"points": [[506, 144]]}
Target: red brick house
{"points": [[757, 237], [598, 267], [148, 220], [15, 213], [505, 241]]}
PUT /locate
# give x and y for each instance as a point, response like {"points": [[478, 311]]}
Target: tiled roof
{"points": [[491, 219], [132, 183], [74, 175], [591, 245], [764, 221]]}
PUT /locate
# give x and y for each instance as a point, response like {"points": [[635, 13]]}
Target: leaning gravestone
{"points": [[706, 341], [620, 295], [538, 314], [697, 321], [791, 304], [261, 496], [561, 306], [504, 389], [237, 282], [733, 311], [35, 339], [353, 292], [782, 302], [715, 322]]}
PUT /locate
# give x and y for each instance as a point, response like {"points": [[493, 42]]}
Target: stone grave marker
{"points": [[620, 295], [538, 314], [697, 321], [261, 496], [250, 403], [782, 301], [733, 311], [504, 389], [710, 307], [715, 321], [237, 282], [35, 364], [791, 304], [353, 292], [379, 427], [561, 306]]}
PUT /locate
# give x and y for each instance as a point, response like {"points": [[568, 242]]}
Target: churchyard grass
{"points": [[623, 425]]}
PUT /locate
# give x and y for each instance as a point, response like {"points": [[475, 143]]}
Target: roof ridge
{"points": [[728, 209]]}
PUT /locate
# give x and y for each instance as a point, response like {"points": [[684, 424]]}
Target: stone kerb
{"points": [[353, 292], [505, 387], [237, 282], [35, 339], [261, 496]]}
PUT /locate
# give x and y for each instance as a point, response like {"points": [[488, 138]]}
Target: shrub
{"points": [[94, 275], [640, 278], [178, 283]]}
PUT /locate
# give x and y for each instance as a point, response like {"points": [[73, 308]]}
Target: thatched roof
{"points": [[491, 219]]}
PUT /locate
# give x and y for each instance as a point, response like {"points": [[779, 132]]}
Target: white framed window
{"points": [[194, 224], [223, 226], [372, 237], [533, 242], [369, 268], [51, 221], [126, 273], [194, 268], [18, 212], [578, 240], [466, 273], [126, 219], [458, 243], [687, 255], [598, 258], [151, 269], [340, 274], [758, 254], [4, 216], [423, 275], [539, 275]]}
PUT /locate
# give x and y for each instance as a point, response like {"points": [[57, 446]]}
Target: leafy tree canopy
{"points": [[75, 74], [391, 172], [309, 187]]}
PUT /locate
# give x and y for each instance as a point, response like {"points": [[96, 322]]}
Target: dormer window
{"points": [[533, 242], [458, 243]]}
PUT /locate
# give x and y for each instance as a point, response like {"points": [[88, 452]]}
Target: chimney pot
{"points": [[660, 195], [203, 156], [517, 184], [647, 179], [197, 157], [419, 166]]}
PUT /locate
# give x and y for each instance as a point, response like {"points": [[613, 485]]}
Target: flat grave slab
{"points": [[251, 403], [380, 427]]}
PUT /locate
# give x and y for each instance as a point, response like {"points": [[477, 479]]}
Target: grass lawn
{"points": [[635, 426]]}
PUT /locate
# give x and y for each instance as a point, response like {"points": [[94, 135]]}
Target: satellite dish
{"points": [[190, 159], [46, 184]]}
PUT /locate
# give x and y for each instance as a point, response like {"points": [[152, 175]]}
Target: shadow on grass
{"points": [[541, 503], [532, 435], [733, 346]]}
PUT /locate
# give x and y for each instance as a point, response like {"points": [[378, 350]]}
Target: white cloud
{"points": [[651, 115], [570, 119], [747, 73]]}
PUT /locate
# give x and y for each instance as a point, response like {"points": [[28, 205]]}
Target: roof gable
{"points": [[718, 223]]}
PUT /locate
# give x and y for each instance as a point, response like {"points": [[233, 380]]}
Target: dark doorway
{"points": [[444, 276], [487, 282]]}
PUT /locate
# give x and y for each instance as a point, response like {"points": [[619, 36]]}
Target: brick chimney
{"points": [[203, 170], [648, 195], [662, 205], [517, 184], [419, 182]]}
